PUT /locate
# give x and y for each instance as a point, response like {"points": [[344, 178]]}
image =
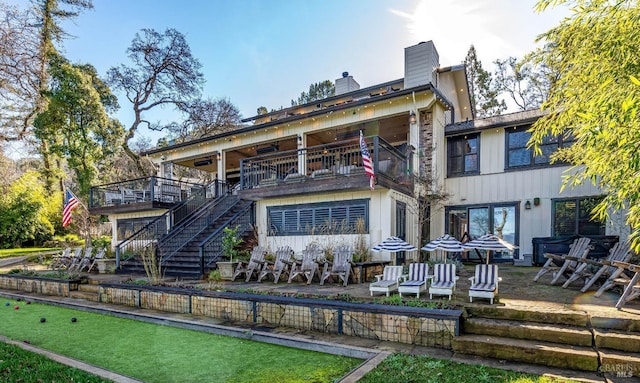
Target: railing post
{"points": [[152, 188], [117, 257], [201, 254], [376, 149], [242, 174]]}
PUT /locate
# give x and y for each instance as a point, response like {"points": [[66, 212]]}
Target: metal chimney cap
{"points": [[345, 74]]}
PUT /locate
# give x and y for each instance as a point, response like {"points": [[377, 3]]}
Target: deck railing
{"points": [[148, 189], [136, 243], [340, 158]]}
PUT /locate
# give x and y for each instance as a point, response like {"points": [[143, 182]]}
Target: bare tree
{"points": [[206, 118], [163, 73], [526, 82]]}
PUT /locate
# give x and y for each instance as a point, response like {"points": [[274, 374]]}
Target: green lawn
{"points": [[155, 353], [6, 253], [400, 368], [18, 365]]}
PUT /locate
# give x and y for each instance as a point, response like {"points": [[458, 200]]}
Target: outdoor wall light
{"points": [[299, 139], [527, 205], [412, 118], [218, 156]]}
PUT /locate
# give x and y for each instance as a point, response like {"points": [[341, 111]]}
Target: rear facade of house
{"points": [[296, 176]]}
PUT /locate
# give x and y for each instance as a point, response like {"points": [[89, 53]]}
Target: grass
{"points": [[158, 354], [18, 365], [6, 253], [401, 368]]}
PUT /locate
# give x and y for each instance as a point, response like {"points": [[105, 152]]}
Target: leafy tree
{"points": [[262, 110], [164, 73], [206, 118], [317, 91], [597, 51], [484, 95], [75, 124], [27, 212]]}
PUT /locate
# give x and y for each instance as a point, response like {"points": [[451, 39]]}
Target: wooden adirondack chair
{"points": [[85, 261], [444, 280], [280, 266], [99, 255], [70, 263], [590, 270], [308, 267], [252, 266], [484, 284], [388, 281], [341, 265], [632, 289], [59, 261], [579, 249], [417, 279]]}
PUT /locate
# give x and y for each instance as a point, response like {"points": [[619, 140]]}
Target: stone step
{"points": [[528, 351], [86, 295], [535, 314], [88, 287], [620, 364], [617, 340], [529, 330]]}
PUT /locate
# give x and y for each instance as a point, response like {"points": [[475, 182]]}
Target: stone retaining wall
{"points": [[411, 325], [37, 285]]}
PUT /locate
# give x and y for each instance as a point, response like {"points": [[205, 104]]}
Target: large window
{"points": [[463, 155], [573, 217], [324, 218], [470, 222], [518, 155]]}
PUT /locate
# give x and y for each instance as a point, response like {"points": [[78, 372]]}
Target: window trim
{"points": [[296, 209], [450, 140], [561, 143], [576, 226]]}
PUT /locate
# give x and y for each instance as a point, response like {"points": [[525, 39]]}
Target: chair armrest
{"points": [[554, 256], [378, 277], [472, 279], [404, 277]]}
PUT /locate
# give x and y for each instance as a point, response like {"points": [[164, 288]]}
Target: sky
{"points": [[266, 52]]}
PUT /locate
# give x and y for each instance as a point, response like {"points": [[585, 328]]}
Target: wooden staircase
{"points": [[564, 340]]}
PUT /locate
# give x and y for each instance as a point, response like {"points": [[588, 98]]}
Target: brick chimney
{"points": [[346, 84], [420, 63]]}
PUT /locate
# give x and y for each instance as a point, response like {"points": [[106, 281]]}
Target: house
{"points": [[498, 185], [296, 175]]}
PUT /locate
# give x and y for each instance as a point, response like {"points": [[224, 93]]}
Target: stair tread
{"points": [[526, 343]]}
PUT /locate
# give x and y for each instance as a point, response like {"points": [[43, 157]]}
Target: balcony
{"points": [[140, 194], [325, 168]]}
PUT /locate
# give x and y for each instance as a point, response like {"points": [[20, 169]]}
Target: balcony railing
{"points": [[319, 162], [149, 189]]}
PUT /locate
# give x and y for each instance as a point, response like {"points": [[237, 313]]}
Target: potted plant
{"points": [[230, 243]]}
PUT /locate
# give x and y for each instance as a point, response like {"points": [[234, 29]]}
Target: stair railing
{"points": [[179, 237], [210, 249], [160, 226]]}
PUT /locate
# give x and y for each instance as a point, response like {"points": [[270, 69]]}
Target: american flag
{"points": [[366, 161], [70, 203]]}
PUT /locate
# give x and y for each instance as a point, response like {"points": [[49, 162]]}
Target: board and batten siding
{"points": [[381, 221], [494, 185]]}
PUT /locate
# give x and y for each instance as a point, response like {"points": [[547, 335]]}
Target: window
{"points": [[324, 218], [471, 222], [462, 155], [573, 217], [518, 155]]}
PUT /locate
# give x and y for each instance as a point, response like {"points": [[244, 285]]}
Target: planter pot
{"points": [[106, 266], [227, 269]]}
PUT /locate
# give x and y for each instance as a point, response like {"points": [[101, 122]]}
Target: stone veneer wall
{"points": [[44, 286], [411, 325]]}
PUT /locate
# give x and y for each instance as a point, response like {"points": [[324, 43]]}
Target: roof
{"points": [[355, 98], [503, 120]]}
